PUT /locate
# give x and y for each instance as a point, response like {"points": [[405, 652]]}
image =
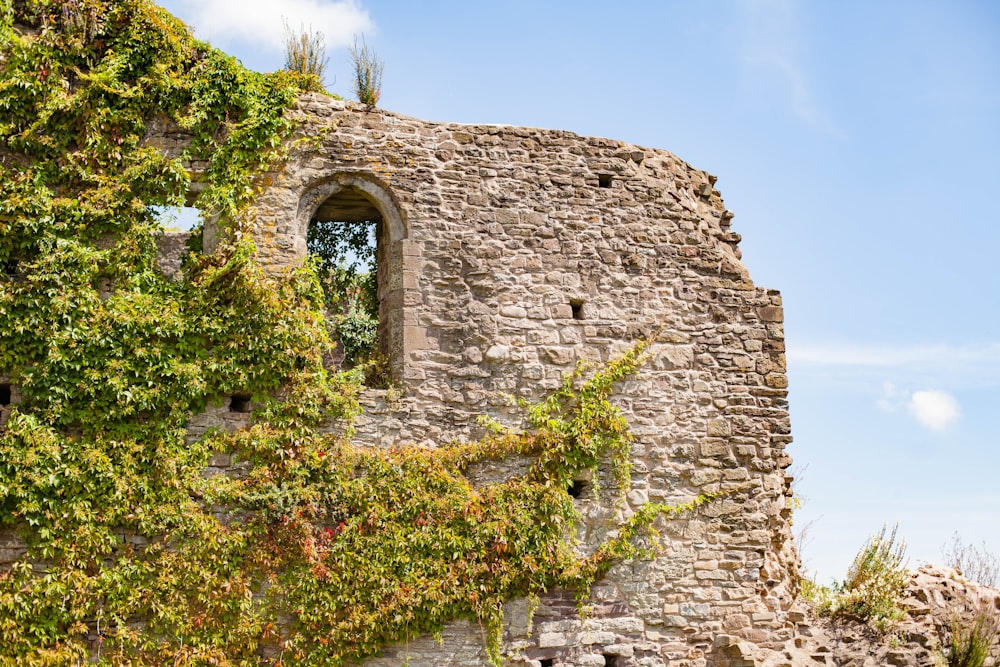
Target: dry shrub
{"points": [[975, 563]]}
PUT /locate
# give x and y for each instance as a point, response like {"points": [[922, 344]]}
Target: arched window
{"points": [[354, 231]]}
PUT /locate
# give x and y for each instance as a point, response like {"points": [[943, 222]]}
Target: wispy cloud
{"points": [[893, 398], [977, 364], [260, 21], [772, 60]]}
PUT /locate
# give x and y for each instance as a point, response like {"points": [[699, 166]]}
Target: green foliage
{"points": [[305, 54], [337, 245], [357, 332], [367, 73], [346, 263], [111, 358], [975, 563], [874, 583], [812, 591], [972, 638], [323, 551]]}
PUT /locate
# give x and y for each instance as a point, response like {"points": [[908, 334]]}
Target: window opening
{"points": [[239, 403], [577, 306], [604, 180], [342, 241], [4, 394], [177, 218]]}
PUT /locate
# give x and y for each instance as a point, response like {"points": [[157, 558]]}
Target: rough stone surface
{"points": [[935, 599], [506, 256], [516, 252], [170, 250]]}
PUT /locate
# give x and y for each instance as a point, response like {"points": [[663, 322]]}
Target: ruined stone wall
{"points": [[516, 252], [508, 255]]}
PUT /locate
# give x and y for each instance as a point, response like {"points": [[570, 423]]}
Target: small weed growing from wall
{"points": [[367, 73], [305, 54], [816, 593]]}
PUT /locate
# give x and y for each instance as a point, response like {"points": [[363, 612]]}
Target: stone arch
{"points": [[348, 197]]}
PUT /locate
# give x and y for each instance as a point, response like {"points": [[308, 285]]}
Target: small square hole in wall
{"points": [[546, 662], [577, 306], [577, 488], [604, 180], [610, 660], [239, 403], [4, 394]]}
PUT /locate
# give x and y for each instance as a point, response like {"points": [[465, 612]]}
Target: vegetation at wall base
{"points": [[322, 551], [874, 584]]}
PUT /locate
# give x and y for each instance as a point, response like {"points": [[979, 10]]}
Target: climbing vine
{"points": [[323, 551]]}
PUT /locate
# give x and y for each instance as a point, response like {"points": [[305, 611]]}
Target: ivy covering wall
{"points": [[324, 551]]}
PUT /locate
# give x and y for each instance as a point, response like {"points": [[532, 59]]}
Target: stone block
{"points": [[777, 381], [770, 313], [559, 356], [714, 448], [552, 639], [497, 353], [719, 428], [513, 311]]}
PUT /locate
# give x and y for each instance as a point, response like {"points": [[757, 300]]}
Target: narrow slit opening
{"points": [[4, 394], [577, 306]]}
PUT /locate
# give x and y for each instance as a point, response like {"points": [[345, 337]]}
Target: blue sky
{"points": [[858, 144]]}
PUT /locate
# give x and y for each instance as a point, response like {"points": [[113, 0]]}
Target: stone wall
{"points": [[517, 252], [506, 256]]}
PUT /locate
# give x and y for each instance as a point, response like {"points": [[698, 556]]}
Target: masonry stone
{"points": [[506, 256]]}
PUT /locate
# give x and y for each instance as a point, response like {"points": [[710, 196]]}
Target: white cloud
{"points": [[261, 21], [934, 409]]}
